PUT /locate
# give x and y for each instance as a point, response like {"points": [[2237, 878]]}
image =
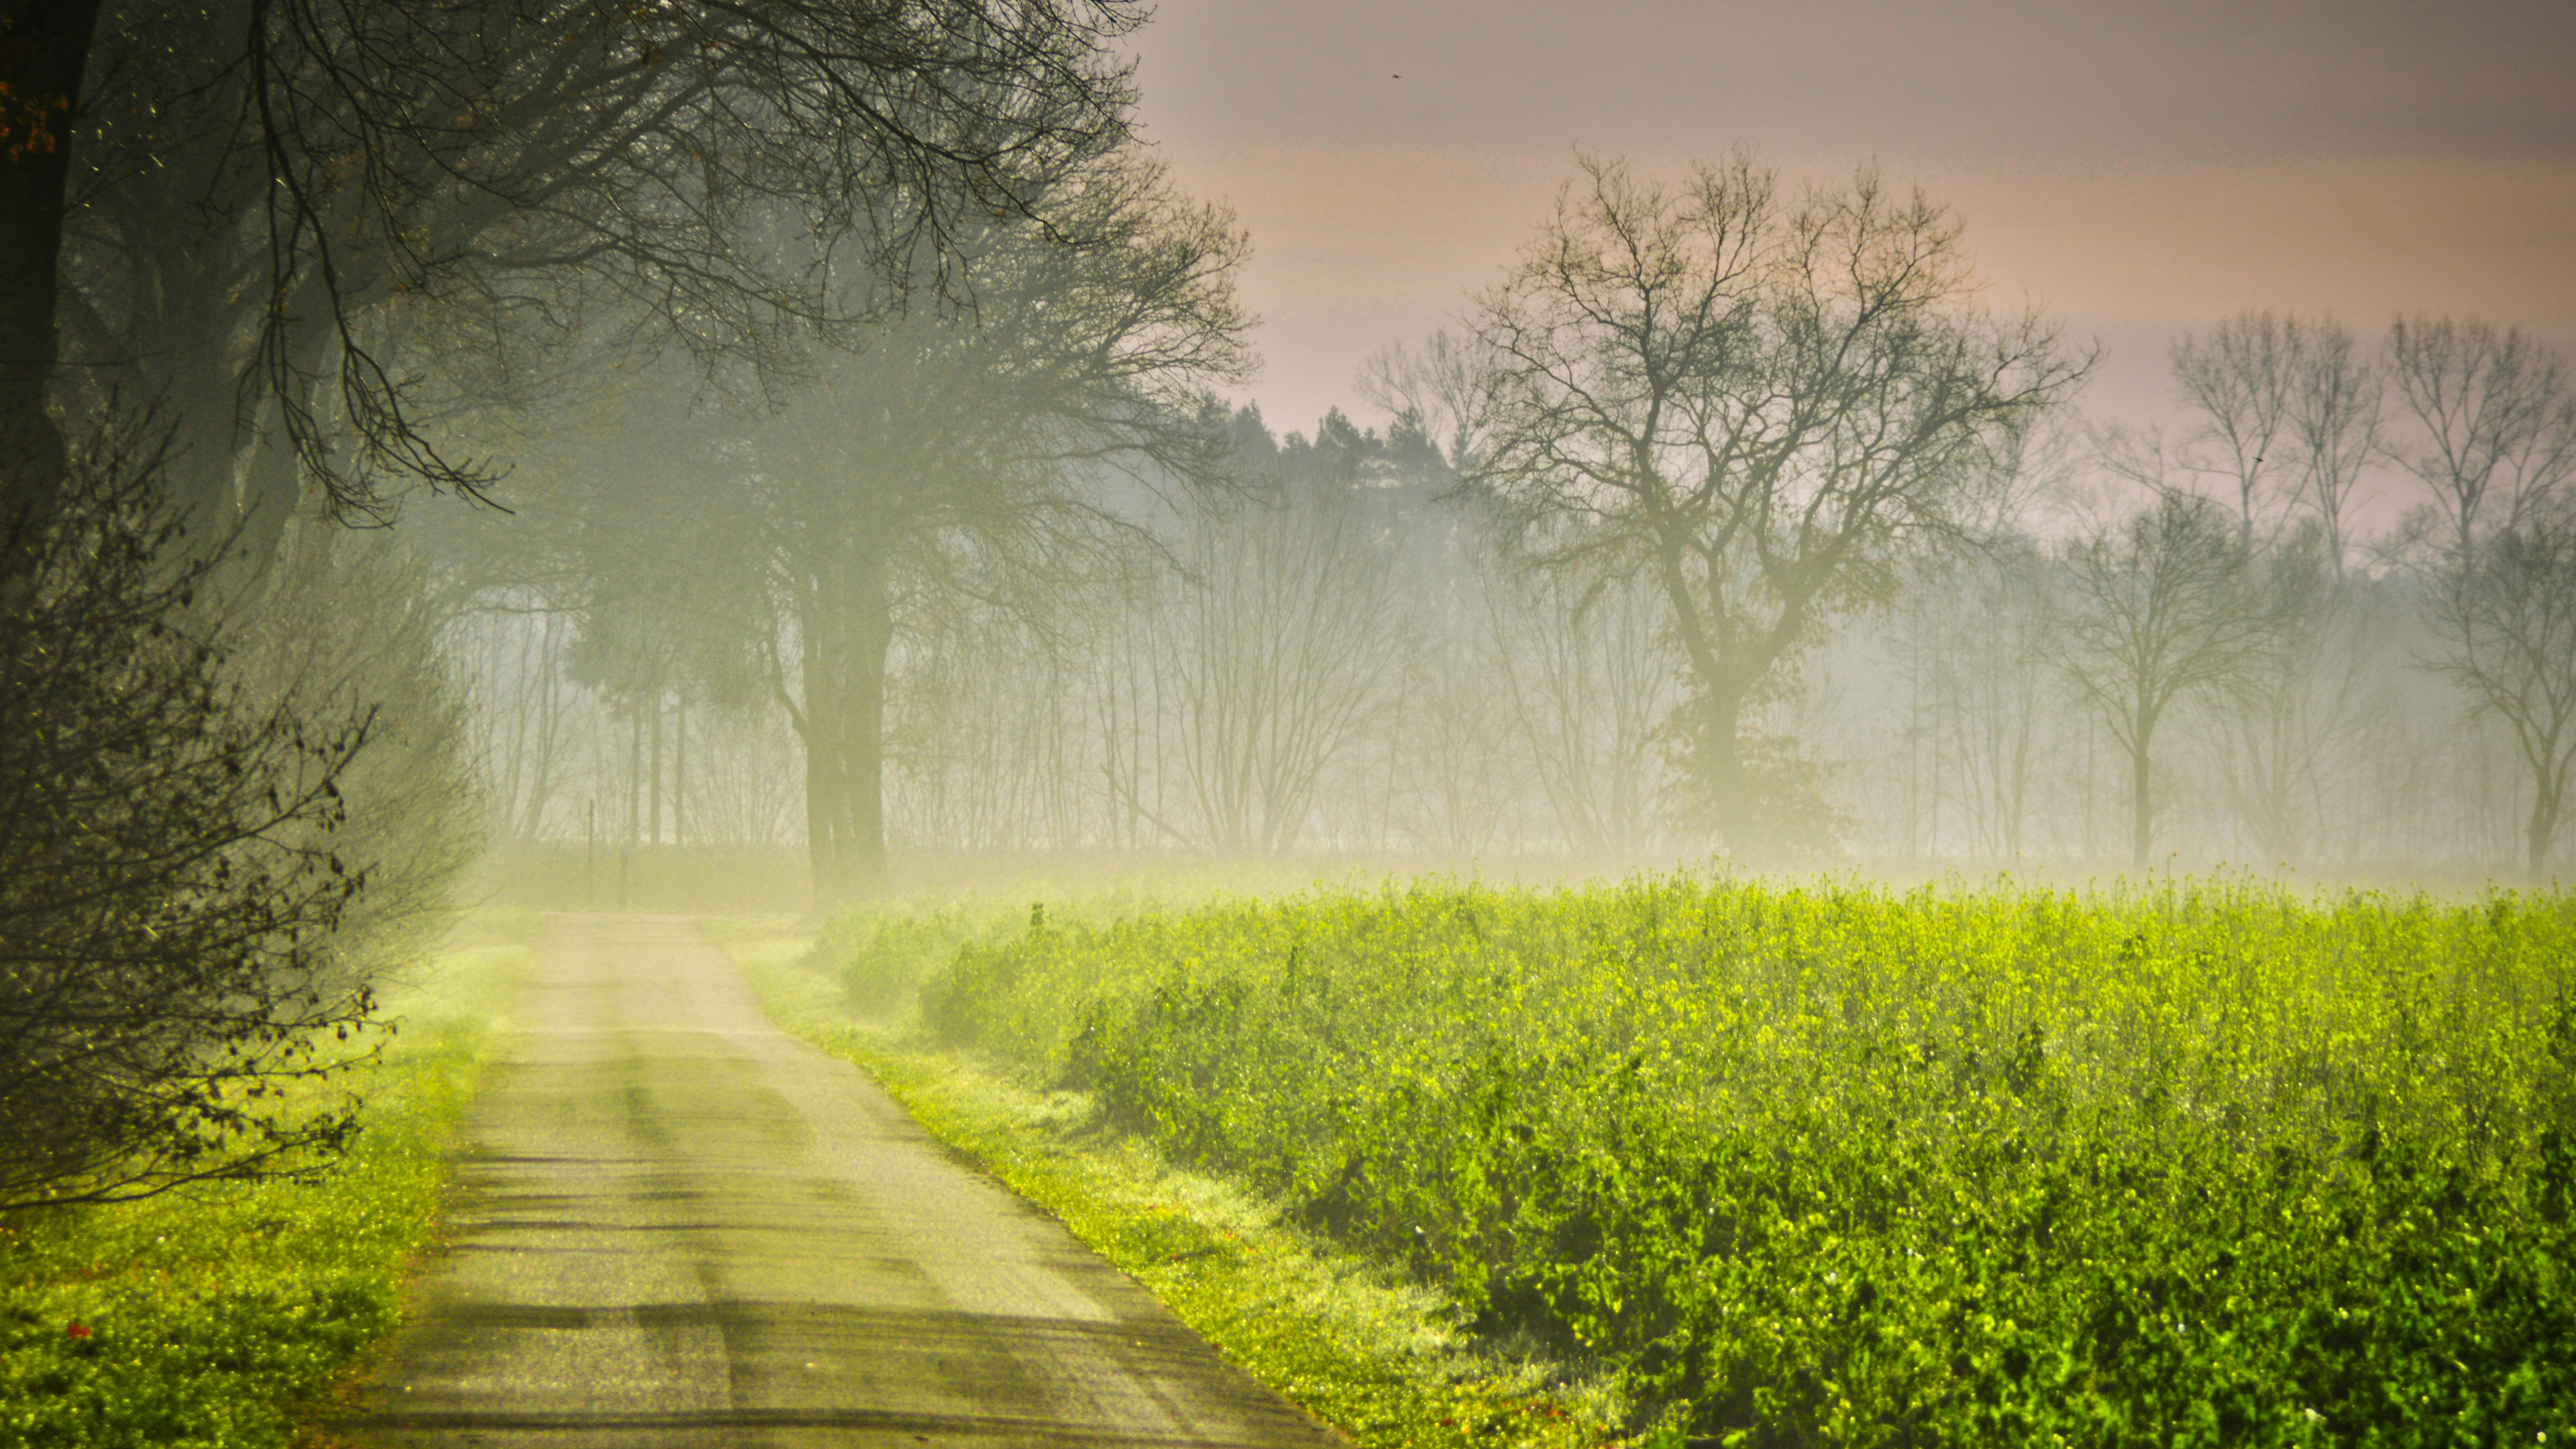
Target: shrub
{"points": [[169, 882]]}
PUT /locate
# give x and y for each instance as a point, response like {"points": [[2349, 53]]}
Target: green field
{"points": [[2192, 1164], [213, 1316]]}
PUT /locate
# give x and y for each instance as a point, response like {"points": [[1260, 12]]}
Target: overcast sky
{"points": [[2138, 169]]}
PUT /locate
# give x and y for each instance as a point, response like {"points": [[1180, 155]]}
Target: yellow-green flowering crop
{"points": [[2184, 1164]]}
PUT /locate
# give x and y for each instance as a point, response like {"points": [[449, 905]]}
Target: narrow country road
{"points": [[681, 1227]]}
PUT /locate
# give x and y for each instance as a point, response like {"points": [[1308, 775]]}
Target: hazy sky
{"points": [[2139, 169]]}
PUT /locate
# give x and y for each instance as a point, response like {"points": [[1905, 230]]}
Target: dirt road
{"points": [[681, 1227]]}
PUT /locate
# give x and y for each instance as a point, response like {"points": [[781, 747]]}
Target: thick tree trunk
{"points": [[635, 780], [272, 484], [653, 792], [819, 729], [870, 632], [1726, 670], [2142, 821], [846, 641], [188, 382], [2546, 801], [44, 47], [1721, 765], [271, 487]]}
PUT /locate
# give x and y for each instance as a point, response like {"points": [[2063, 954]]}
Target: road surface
{"points": [[681, 1227]]}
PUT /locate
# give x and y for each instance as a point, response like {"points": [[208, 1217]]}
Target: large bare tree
{"points": [[2507, 616], [2495, 425], [960, 451], [2161, 608], [1760, 402]]}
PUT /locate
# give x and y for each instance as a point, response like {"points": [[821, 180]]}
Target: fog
{"points": [[1427, 639], [1622, 724], [1563, 583], [826, 459]]}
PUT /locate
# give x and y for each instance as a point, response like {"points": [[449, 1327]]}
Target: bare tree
{"points": [[511, 654], [2159, 609], [1588, 681], [1280, 653], [965, 452], [984, 729], [2295, 703], [2507, 614], [1441, 385], [2335, 414], [2239, 382], [2496, 426], [1456, 768], [1455, 765], [1759, 405], [1989, 678]]}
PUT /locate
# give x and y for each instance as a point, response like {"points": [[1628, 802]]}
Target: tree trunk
{"points": [[680, 770], [870, 631], [845, 692], [1721, 765], [819, 730], [2546, 798], [653, 792], [2143, 813], [44, 48], [635, 779], [1726, 674], [549, 678], [272, 486]]}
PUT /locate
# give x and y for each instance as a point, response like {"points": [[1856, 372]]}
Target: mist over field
{"points": [[1461, 586], [1442, 724], [1734, 522]]}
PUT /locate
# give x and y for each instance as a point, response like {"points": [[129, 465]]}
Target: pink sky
{"points": [[2139, 176]]}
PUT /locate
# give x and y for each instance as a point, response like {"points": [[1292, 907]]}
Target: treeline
{"points": [[2327, 621], [1317, 655]]}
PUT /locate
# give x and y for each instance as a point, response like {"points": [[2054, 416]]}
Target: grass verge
{"points": [[1378, 1358], [211, 1317]]}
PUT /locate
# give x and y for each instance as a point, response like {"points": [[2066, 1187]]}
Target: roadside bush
{"points": [[881, 954], [2199, 1164], [170, 877], [883, 951]]}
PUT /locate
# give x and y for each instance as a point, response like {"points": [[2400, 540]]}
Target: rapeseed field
{"points": [[1834, 1164]]}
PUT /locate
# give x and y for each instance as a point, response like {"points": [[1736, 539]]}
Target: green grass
{"points": [[210, 1317], [2208, 1163], [1379, 1357]]}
